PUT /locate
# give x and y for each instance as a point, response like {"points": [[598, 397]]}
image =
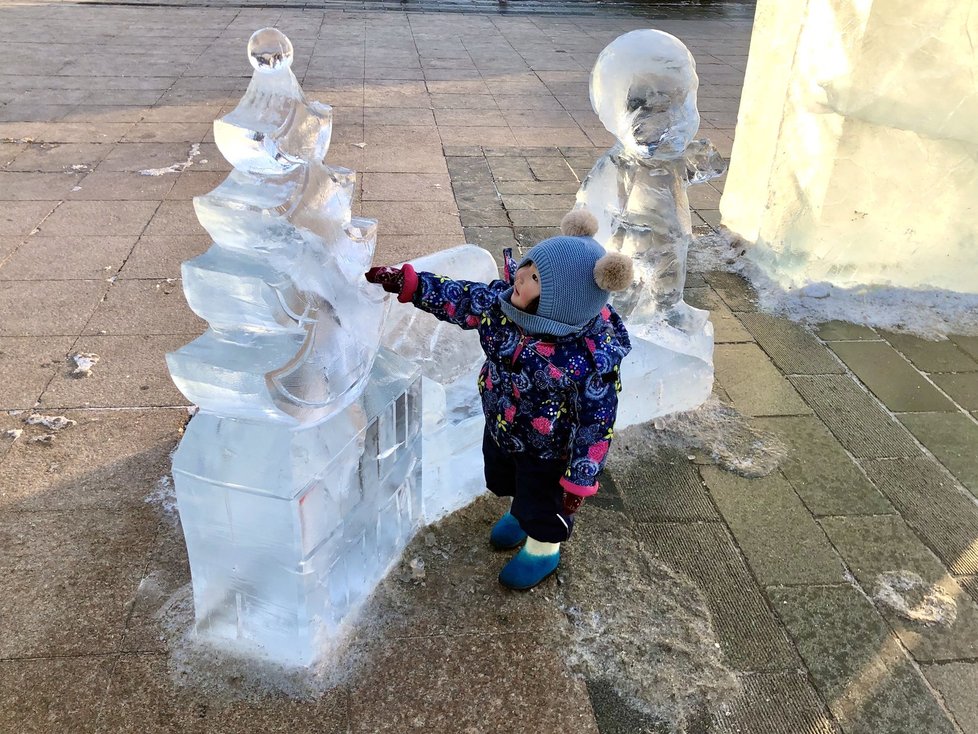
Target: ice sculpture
{"points": [[449, 359], [299, 479], [643, 89], [856, 155]]}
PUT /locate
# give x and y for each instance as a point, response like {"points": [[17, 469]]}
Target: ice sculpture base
{"points": [[288, 530], [667, 371]]}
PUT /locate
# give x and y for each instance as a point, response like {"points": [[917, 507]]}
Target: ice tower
{"points": [[643, 89], [299, 479]]}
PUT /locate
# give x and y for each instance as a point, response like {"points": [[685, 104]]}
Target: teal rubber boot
{"points": [[534, 563], [506, 533]]}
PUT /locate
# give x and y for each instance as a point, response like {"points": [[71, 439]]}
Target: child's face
{"points": [[526, 286]]}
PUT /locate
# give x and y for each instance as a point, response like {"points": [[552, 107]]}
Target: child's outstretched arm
{"points": [[597, 408], [460, 302]]}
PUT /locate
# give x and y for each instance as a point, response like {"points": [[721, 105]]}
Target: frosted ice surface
{"points": [[299, 479], [643, 89], [856, 156], [449, 359]]}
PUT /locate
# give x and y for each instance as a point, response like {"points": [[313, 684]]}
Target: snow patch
{"points": [[164, 497], [53, 422], [176, 167], [912, 598], [714, 428], [84, 362], [13, 433]]}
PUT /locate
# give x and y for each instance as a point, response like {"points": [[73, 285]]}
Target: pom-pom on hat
{"points": [[576, 277]]}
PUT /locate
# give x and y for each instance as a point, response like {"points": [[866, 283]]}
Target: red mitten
{"points": [[391, 279], [572, 503]]}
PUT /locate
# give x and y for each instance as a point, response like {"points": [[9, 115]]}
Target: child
{"points": [[549, 385]]}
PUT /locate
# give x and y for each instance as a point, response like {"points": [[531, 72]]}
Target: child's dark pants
{"points": [[534, 485]]}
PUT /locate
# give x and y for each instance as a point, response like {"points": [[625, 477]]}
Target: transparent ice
{"points": [[299, 479], [643, 89]]}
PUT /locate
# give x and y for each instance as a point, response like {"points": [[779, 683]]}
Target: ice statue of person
{"points": [[549, 385], [643, 89]]}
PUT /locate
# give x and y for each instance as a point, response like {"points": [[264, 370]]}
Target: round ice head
{"points": [[643, 89], [269, 49]]}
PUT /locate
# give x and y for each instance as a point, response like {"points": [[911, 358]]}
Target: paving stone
{"points": [[493, 239], [48, 307], [195, 183], [663, 489], [550, 169], [931, 502], [791, 346], [33, 698], [510, 169], [131, 372], [79, 257], [877, 545], [969, 584], [80, 157], [952, 438], [473, 135], [99, 218], [775, 703], [18, 186], [110, 460], [615, 715], [538, 201], [726, 327], [62, 609], [474, 204], [161, 257], [537, 218], [121, 186], [145, 307], [166, 132], [820, 470], [407, 187], [750, 636], [967, 343], [781, 540], [28, 364], [856, 663], [753, 383], [931, 356], [962, 388], [142, 698], [145, 156], [957, 683], [22, 217], [412, 159], [529, 236], [537, 187], [856, 419], [451, 679], [736, 292], [891, 378]]}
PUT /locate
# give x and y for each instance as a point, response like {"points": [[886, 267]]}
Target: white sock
{"points": [[539, 548]]}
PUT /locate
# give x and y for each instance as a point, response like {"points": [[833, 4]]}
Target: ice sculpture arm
{"points": [[597, 408], [459, 302], [703, 161]]}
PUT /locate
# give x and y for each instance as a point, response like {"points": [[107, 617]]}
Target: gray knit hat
{"points": [[576, 276]]}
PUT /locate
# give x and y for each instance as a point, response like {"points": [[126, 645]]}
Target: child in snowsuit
{"points": [[549, 385]]}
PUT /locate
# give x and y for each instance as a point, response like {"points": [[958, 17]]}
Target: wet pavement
{"points": [[462, 127]]}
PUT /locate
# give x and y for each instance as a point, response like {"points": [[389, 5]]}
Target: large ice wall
{"points": [[856, 154], [299, 479]]}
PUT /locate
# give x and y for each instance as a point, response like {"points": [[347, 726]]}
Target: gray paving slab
{"points": [[931, 356], [969, 584], [28, 365], [892, 379], [161, 257], [748, 632], [48, 307], [753, 383], [615, 715], [872, 546], [854, 417], [952, 438], [67, 257], [961, 388], [856, 663], [957, 683], [791, 346], [967, 344], [933, 504], [32, 693], [20, 218], [664, 488], [781, 540], [736, 292], [775, 703], [727, 328], [828, 481]]}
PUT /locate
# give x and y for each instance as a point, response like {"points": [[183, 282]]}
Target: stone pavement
{"points": [[461, 128]]}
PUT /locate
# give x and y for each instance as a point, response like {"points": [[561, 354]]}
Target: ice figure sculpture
{"points": [[449, 359], [299, 479], [643, 89], [856, 155]]}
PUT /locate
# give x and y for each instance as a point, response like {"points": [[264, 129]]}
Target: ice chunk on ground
{"points": [[912, 598], [53, 422], [84, 362]]}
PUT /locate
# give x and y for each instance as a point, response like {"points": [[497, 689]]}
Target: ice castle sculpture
{"points": [[299, 479], [643, 89]]}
